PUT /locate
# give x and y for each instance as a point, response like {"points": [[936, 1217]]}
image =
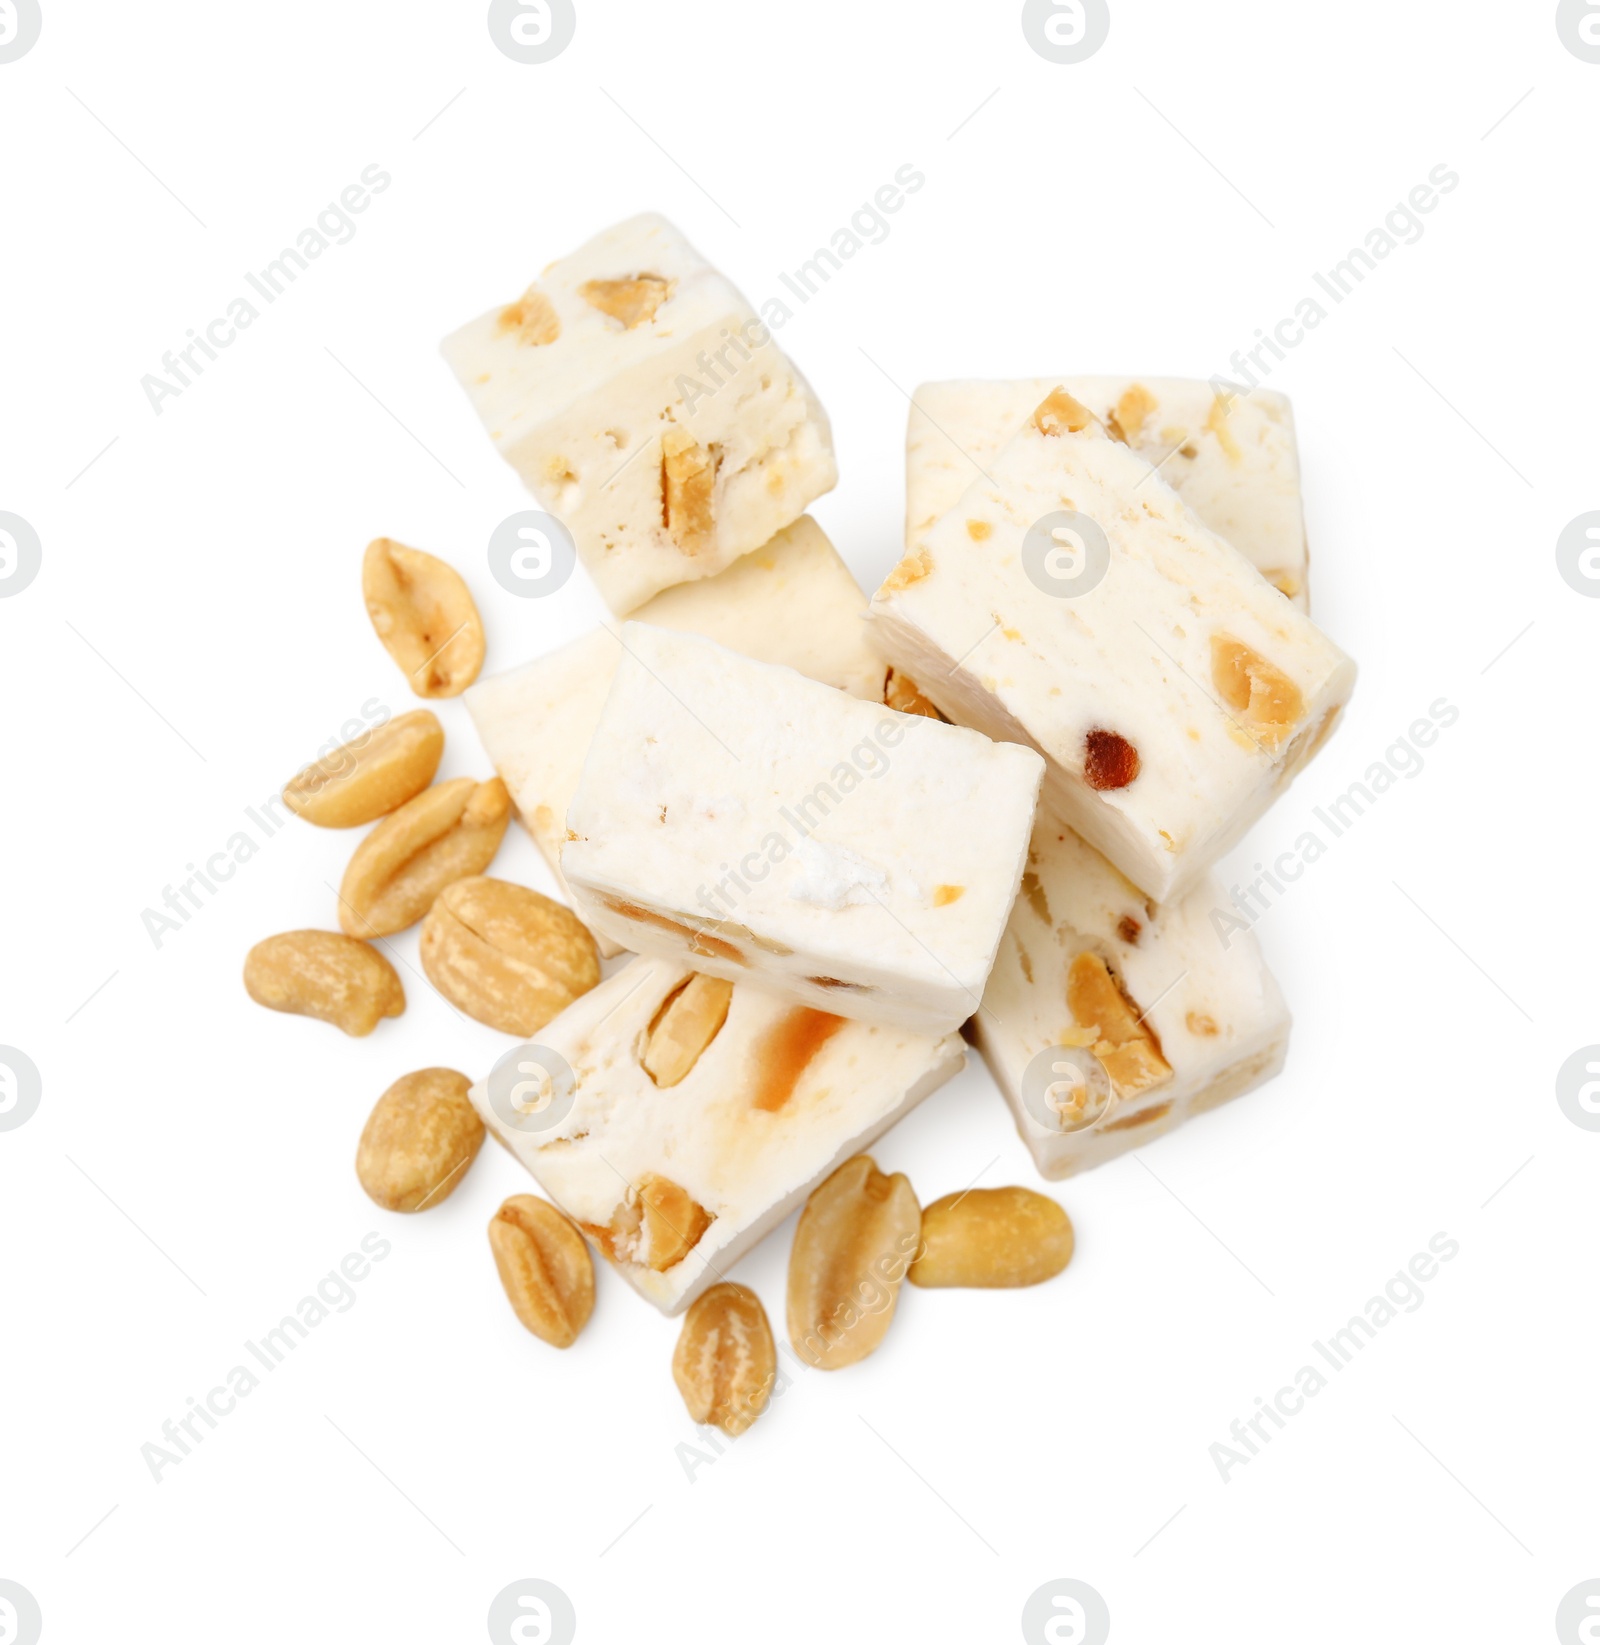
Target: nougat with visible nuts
{"points": [[698, 1117], [645, 404]]}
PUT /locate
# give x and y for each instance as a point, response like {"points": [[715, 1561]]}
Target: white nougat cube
{"points": [[1074, 602], [1231, 457], [764, 827], [1173, 1000], [792, 601], [645, 404], [778, 1098]]}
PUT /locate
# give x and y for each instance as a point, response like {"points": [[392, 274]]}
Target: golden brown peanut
{"points": [[688, 491], [368, 778], [992, 1237], [425, 617], [420, 1138], [902, 693], [324, 975], [506, 955], [1269, 701], [545, 1267], [630, 301], [446, 833], [689, 1019], [1124, 1043], [656, 1226], [857, 1235], [1058, 413], [532, 317], [725, 1364]]}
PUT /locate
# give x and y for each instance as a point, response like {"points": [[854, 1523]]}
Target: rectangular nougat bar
{"points": [[678, 1119], [763, 826], [1176, 1006], [1231, 457], [646, 406], [1074, 602]]}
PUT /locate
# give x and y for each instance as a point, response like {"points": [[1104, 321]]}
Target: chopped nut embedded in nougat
{"points": [[688, 488], [656, 1226], [1132, 409], [1217, 424], [1267, 698], [630, 301], [689, 1019], [1128, 1050], [1059, 413], [912, 569], [901, 692], [1109, 760], [532, 317]]}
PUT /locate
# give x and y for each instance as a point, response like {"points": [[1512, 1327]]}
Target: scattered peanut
{"points": [[545, 1268], [419, 1140], [689, 1019], [425, 617], [446, 833], [688, 488], [368, 778], [725, 1364], [856, 1238], [506, 955], [324, 975], [1263, 694], [992, 1237]]}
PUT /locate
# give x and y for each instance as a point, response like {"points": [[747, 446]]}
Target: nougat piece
{"points": [[792, 601], [764, 827], [644, 403], [1172, 1000], [698, 1115], [1074, 602], [1230, 455]]}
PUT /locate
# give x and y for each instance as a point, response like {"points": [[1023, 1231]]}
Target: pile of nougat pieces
{"points": [[988, 798]]}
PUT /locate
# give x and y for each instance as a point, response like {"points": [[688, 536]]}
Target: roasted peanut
{"points": [[1125, 1045], [419, 1140], [903, 694], [689, 1019], [631, 301], [1058, 413], [545, 1268], [506, 955], [992, 1237], [857, 1235], [532, 317], [656, 1226], [688, 491], [1269, 701], [425, 617], [324, 975], [446, 833], [368, 778], [725, 1364]]}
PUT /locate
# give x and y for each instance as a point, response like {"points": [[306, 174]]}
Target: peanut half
{"points": [[689, 1019], [420, 1138], [992, 1237], [725, 1364], [425, 617], [688, 491], [366, 779], [446, 833], [656, 1226], [545, 1268], [506, 955], [857, 1235], [1124, 1042], [1269, 701], [324, 975]]}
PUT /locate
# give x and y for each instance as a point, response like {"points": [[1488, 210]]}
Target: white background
{"points": [[197, 631]]}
